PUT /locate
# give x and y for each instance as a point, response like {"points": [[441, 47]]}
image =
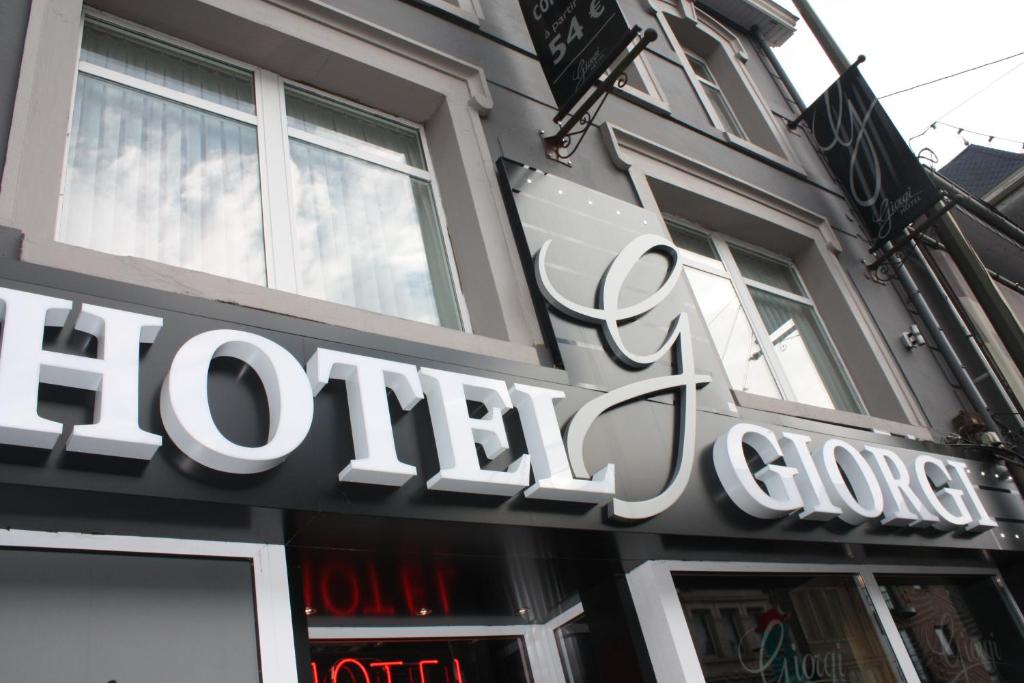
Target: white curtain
{"points": [[366, 235], [153, 178]]}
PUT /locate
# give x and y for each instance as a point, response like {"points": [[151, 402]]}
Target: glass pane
{"points": [[797, 629], [152, 178], [502, 660], [576, 651], [159, 64], [700, 68], [379, 137], [369, 237], [695, 246], [804, 352], [722, 108], [741, 355], [956, 629], [767, 271]]}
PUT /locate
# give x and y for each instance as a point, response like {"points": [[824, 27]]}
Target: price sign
{"points": [[576, 41]]}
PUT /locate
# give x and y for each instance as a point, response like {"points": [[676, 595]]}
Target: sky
{"points": [[907, 42]]}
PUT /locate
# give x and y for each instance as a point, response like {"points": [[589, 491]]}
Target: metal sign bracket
{"points": [[563, 144]]}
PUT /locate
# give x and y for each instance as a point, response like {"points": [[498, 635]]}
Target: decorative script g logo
{"points": [[610, 314]]}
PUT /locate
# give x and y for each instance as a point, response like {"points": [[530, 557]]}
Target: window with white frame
{"points": [[762, 322], [725, 117], [712, 57], [641, 83], [170, 159]]}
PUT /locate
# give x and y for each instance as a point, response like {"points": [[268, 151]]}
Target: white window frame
{"points": [[648, 91], [741, 285], [469, 10], [271, 602], [273, 134], [669, 641], [731, 47], [716, 120]]}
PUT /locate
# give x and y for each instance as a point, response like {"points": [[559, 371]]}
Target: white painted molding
{"points": [[624, 146], [362, 30]]}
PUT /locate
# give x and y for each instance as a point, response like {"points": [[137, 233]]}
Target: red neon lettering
{"points": [[412, 589], [387, 667], [316, 672], [424, 663], [458, 670], [327, 590], [377, 608], [307, 584], [344, 663], [441, 577]]}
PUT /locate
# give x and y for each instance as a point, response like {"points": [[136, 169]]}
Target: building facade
{"points": [[316, 367]]}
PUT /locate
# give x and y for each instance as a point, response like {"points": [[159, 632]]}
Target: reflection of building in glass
{"points": [[767, 630], [941, 634]]}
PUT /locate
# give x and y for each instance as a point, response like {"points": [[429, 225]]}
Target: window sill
{"points": [[773, 157], [835, 417], [141, 272]]}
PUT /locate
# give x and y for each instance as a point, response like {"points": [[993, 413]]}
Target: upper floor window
{"points": [[762, 322], [724, 115], [180, 157], [712, 57]]}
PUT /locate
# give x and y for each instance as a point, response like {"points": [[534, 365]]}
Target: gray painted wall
{"points": [[522, 105], [13, 21]]}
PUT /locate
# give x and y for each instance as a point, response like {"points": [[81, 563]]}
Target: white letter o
{"points": [[185, 408]]}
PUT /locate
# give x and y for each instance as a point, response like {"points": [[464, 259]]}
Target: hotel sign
{"points": [[836, 479]]}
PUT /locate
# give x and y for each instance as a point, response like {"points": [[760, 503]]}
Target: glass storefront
{"points": [[759, 628], [461, 660], [956, 629]]}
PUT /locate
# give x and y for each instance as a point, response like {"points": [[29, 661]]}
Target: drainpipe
{"points": [[949, 353], [996, 220]]}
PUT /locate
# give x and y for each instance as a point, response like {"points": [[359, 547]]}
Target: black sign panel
{"points": [[879, 172], [576, 41]]}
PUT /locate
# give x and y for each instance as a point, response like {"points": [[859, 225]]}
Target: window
{"points": [[713, 59], [793, 628], [169, 160], [762, 322], [957, 628], [725, 118], [641, 84]]}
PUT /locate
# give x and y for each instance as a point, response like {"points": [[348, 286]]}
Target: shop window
{"points": [[762, 322], [757, 628], [168, 160], [956, 629], [576, 651], [455, 660]]}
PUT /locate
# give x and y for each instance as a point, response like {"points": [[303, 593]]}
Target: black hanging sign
{"points": [[881, 175], [576, 41]]}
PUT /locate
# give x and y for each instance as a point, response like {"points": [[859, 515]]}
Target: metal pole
{"points": [[828, 44], [841, 64], [976, 274], [963, 377]]}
